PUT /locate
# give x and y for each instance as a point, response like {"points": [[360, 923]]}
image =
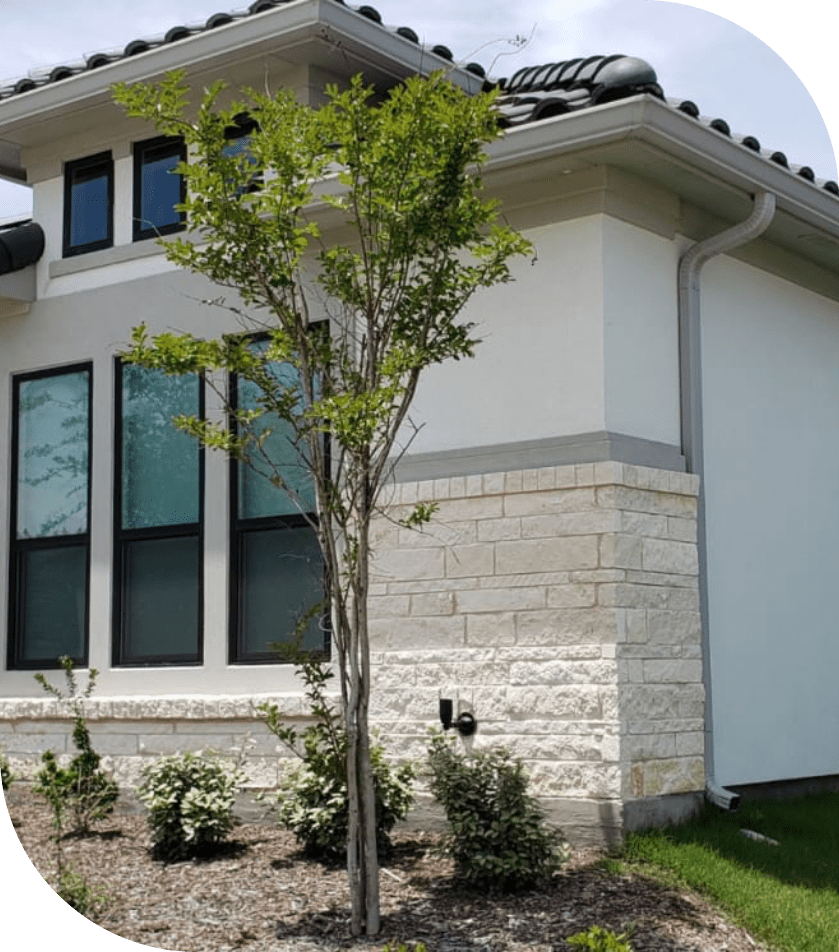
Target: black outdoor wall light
{"points": [[465, 722]]}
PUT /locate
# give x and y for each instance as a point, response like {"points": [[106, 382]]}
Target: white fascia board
{"points": [[679, 139], [274, 31]]}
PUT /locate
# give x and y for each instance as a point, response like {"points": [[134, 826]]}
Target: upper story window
{"points": [[50, 503], [88, 204], [157, 187]]}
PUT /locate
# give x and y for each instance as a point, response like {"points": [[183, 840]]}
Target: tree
{"points": [[402, 174]]}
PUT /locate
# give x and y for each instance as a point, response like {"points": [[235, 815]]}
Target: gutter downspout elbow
{"points": [[690, 377]]}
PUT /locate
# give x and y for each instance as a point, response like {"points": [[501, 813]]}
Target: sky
{"points": [[729, 72]]}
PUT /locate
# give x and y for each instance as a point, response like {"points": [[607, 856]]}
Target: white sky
{"points": [[726, 70]]}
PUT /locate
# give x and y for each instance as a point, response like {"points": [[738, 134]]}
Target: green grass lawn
{"points": [[787, 895]]}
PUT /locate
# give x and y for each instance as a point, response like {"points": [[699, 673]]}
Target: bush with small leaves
{"points": [[75, 890], [190, 800], [6, 775], [498, 836], [312, 801], [81, 788], [598, 939], [419, 947]]}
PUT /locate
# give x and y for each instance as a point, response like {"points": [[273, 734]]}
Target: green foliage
{"points": [[419, 947], [313, 800], [190, 800], [81, 789], [598, 939], [497, 835], [6, 775], [78, 893]]}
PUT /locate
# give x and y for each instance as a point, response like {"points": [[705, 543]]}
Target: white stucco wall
{"points": [[641, 333], [771, 405], [538, 369]]}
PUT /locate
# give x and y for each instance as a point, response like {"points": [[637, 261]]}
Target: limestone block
{"points": [[470, 560], [430, 603], [568, 701], [438, 533], [408, 493], [657, 777], [584, 474], [167, 744], [646, 524], [534, 555], [650, 701], [565, 626], [420, 703], [500, 599], [36, 743], [676, 725], [525, 580], [588, 522], [557, 747], [402, 633], [457, 487], [551, 501], [529, 480], [563, 672], [673, 627], [440, 488], [126, 743], [691, 700], [577, 595], [494, 484], [684, 483], [660, 555], [634, 577], [389, 606], [474, 486], [546, 478], [645, 500], [620, 551], [535, 653], [681, 529], [471, 508], [676, 672], [493, 530], [641, 747], [574, 779], [513, 482], [598, 576], [565, 477], [690, 744], [649, 478], [661, 597], [408, 563], [608, 472], [497, 628]]}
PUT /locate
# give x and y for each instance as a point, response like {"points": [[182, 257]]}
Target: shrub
{"points": [[6, 775], [190, 800], [497, 835], [312, 801], [598, 939], [78, 893], [81, 788]]}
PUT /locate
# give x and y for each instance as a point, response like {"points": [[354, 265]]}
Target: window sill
{"points": [[146, 248]]}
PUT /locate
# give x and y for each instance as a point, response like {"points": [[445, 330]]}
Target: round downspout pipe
{"points": [[690, 377]]}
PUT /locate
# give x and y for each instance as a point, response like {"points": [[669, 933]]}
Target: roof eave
{"points": [[680, 140]]}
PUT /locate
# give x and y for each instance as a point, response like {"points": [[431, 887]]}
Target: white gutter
{"points": [[690, 376]]}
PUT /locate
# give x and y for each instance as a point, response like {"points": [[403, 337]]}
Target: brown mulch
{"points": [[257, 894]]}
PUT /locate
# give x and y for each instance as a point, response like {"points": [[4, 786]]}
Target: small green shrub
{"points": [[312, 801], [6, 775], [81, 789], [190, 800], [598, 939], [497, 835], [419, 947], [78, 893]]}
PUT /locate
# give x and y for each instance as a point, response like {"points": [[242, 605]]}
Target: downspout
{"points": [[690, 376]]}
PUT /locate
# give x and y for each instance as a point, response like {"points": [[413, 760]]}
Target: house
{"points": [[630, 578]]}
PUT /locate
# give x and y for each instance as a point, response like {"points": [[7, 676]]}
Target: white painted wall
{"points": [[538, 371], [641, 333], [771, 406]]}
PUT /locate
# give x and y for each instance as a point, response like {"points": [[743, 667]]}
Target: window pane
{"points": [[282, 580], [161, 597], [89, 199], [160, 472], [258, 496], [53, 456], [52, 601], [160, 188]]}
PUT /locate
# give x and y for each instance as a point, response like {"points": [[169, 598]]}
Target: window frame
{"points": [[105, 161], [239, 527], [172, 145], [18, 548], [120, 654]]}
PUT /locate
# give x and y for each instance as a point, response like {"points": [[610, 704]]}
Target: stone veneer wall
{"points": [[558, 605]]}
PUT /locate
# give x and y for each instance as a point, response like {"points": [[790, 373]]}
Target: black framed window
{"points": [[88, 204], [277, 577], [50, 531], [158, 506], [157, 187], [238, 143]]}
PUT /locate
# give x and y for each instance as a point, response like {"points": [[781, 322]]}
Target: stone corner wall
{"points": [[560, 606]]}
